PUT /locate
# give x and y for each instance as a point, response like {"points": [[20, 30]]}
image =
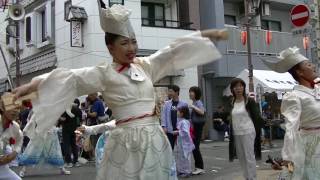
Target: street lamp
{"points": [[251, 7]]}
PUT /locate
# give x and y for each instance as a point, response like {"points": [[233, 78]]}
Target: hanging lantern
{"points": [[305, 42], [268, 37], [243, 37]]}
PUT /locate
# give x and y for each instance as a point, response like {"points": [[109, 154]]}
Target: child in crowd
{"points": [[184, 142]]}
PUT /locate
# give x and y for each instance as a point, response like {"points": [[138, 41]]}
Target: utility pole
{"points": [[18, 74], [316, 27], [250, 66]]}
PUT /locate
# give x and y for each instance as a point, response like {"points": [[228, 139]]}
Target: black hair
{"points": [[185, 112], [76, 101], [197, 92], [1, 107], [110, 38], [233, 83], [175, 88], [293, 72]]}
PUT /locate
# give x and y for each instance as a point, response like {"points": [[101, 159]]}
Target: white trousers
{"points": [[245, 153], [7, 174]]}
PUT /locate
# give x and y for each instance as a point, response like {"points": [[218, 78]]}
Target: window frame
{"points": [[151, 14], [44, 14]]}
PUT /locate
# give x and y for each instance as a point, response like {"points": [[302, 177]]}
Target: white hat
{"points": [[115, 20], [288, 58]]}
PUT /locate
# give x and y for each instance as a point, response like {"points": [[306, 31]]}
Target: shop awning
{"points": [[270, 81]]}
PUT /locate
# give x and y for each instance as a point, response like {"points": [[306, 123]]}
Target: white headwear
{"points": [[288, 58], [115, 20]]}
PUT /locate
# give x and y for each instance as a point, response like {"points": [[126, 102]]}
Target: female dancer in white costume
{"points": [[137, 148], [301, 110], [10, 134]]}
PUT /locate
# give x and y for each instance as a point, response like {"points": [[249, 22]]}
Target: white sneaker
{"points": [[77, 164], [198, 171], [68, 165], [21, 173], [65, 172]]}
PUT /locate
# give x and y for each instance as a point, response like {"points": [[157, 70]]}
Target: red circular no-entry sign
{"points": [[300, 15]]}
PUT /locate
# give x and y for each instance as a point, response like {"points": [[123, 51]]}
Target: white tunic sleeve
{"points": [[59, 88], [182, 53], [18, 138], [291, 109], [100, 128]]}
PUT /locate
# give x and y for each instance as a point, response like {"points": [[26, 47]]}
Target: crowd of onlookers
{"points": [[90, 112]]}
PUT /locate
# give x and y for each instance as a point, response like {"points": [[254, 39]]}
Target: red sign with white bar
{"points": [[300, 15]]}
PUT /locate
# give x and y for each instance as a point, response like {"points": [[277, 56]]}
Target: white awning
{"points": [[270, 81]]}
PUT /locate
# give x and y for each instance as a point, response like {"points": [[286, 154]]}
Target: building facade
{"points": [[67, 34], [215, 77]]}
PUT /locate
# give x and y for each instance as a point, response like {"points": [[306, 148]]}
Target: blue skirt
{"points": [[43, 150]]}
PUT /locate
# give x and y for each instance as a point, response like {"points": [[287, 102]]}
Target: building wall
{"points": [[3, 70], [94, 51], [194, 11], [216, 76]]}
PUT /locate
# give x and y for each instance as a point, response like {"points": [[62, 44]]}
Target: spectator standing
{"points": [[246, 124], [70, 122], [169, 113], [23, 117], [198, 121]]}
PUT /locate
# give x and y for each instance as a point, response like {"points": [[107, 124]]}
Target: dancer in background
{"points": [[42, 150], [10, 134], [137, 148]]}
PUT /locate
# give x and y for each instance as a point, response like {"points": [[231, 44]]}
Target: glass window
{"points": [[264, 25], [145, 15], [28, 29], [112, 2], [271, 25], [275, 25], [152, 14], [230, 20], [159, 15], [43, 26]]}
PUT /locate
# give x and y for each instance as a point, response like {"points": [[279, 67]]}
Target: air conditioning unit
{"points": [[266, 9]]}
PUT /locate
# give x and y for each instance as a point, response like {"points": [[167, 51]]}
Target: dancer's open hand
{"points": [[215, 34], [26, 89], [81, 129]]}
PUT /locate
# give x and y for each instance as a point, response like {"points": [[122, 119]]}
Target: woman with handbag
{"points": [[198, 121]]}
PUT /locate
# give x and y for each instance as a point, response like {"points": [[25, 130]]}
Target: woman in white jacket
{"points": [[301, 109], [137, 148]]}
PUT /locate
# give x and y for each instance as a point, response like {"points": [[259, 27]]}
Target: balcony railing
{"points": [[163, 23], [280, 41]]}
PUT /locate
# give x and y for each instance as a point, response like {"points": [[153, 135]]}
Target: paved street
{"points": [[215, 155]]}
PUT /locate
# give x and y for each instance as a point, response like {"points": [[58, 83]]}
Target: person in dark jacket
{"points": [[69, 123], [245, 130]]}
